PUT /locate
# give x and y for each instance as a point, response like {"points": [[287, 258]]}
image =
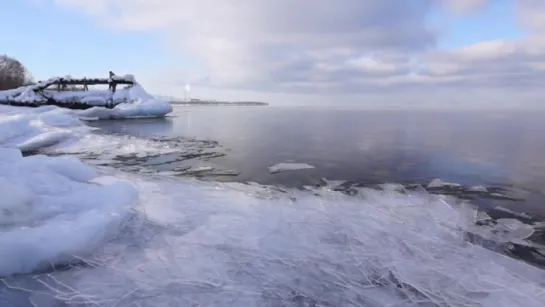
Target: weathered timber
{"points": [[83, 82], [43, 90], [52, 102]]}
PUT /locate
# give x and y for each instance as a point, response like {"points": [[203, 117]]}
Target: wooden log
{"points": [[76, 105], [61, 84]]}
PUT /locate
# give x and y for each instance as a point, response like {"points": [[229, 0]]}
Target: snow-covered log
{"points": [[53, 92]]}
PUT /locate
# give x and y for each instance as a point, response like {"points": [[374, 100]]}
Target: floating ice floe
{"points": [[281, 167], [438, 183], [478, 188]]}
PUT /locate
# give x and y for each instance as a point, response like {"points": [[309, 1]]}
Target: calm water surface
{"points": [[500, 148]]}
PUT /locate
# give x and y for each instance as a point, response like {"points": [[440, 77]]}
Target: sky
{"points": [[393, 53]]}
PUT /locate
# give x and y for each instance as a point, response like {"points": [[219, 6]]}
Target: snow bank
{"points": [[281, 167], [131, 101], [51, 211]]}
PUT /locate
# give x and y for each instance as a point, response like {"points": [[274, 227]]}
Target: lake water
{"points": [[209, 225], [495, 149]]}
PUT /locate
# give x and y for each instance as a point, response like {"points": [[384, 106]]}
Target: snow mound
{"points": [[281, 167], [51, 212]]}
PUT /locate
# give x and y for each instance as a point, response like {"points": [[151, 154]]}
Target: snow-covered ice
{"points": [[51, 211], [151, 241], [281, 167]]}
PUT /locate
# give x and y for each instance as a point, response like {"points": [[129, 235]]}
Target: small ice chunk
{"points": [[230, 172], [197, 170], [280, 167], [438, 183], [482, 216], [478, 188], [44, 140]]}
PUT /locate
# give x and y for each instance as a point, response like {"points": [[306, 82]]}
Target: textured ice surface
{"points": [[57, 130], [281, 167], [211, 244], [51, 212]]}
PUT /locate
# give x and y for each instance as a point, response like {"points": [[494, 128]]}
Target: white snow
{"points": [[281, 167], [228, 244]]}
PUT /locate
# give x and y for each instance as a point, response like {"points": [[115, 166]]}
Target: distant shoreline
{"points": [[218, 103]]}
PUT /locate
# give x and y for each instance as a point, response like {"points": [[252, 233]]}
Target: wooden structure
{"points": [[45, 89], [62, 83]]}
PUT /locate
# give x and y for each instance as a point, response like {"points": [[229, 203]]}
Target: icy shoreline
{"points": [[230, 244]]}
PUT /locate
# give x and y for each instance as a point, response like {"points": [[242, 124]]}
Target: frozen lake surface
{"points": [[399, 209]]}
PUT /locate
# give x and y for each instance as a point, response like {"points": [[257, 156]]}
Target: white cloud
{"points": [[329, 46], [531, 14], [464, 6]]}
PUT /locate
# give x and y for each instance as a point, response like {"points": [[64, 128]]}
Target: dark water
{"points": [[498, 149]]}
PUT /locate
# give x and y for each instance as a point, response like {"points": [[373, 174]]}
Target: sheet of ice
{"points": [[212, 244], [281, 167], [50, 213]]}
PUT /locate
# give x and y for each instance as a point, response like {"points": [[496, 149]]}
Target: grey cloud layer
{"points": [[300, 45]]}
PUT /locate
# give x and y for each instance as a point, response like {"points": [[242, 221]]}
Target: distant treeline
{"points": [[13, 73]]}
